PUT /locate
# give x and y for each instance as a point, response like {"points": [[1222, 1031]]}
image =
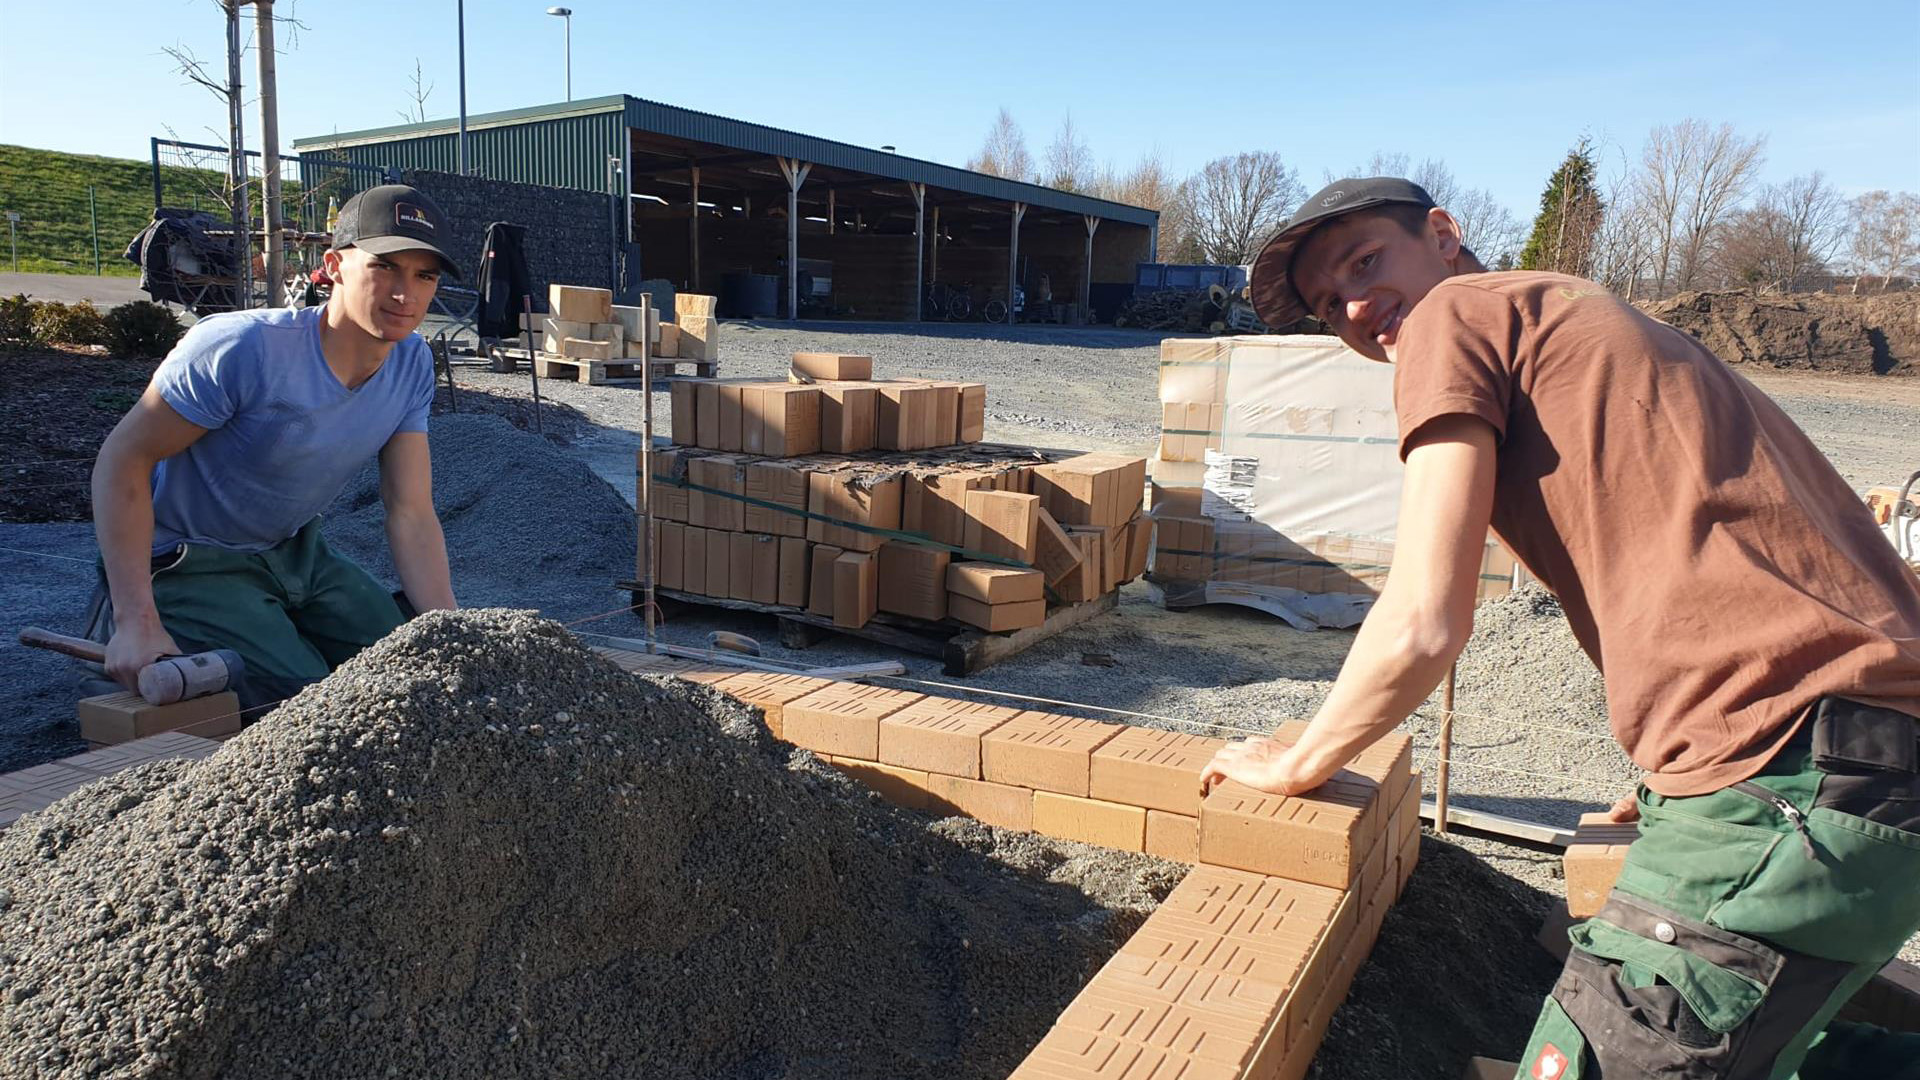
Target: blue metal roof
{"points": [[515, 155]]}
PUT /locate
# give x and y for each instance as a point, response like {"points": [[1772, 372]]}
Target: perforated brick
{"points": [[1173, 836], [941, 735], [770, 693], [1593, 861], [902, 787], [1071, 1054], [1003, 805], [1103, 1007], [1152, 768], [1044, 751], [843, 719], [1090, 821], [1320, 837]]}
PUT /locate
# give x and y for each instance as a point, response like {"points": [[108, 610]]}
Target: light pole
{"points": [[460, 32], [566, 14]]}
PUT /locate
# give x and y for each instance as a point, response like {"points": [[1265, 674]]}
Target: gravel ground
{"points": [[390, 876]]}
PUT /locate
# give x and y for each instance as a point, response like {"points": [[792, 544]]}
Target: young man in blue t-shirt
{"points": [[207, 495]]}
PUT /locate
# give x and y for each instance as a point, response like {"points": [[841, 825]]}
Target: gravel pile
{"points": [[479, 850], [526, 524]]}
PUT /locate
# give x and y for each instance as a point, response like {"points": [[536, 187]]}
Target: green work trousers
{"points": [[1744, 919], [293, 612]]}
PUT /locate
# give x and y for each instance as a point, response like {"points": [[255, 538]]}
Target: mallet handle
{"points": [[79, 648]]}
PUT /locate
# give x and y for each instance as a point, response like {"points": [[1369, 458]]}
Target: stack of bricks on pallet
{"points": [[794, 494], [41, 786]]}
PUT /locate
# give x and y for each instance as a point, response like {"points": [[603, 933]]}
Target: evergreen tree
{"points": [[1570, 214]]}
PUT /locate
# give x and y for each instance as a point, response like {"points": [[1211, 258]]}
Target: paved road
{"points": [[105, 292]]}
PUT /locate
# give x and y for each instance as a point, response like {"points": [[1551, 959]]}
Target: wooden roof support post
{"points": [[1086, 279], [919, 248], [1013, 258], [796, 174], [933, 270], [830, 211], [693, 234]]}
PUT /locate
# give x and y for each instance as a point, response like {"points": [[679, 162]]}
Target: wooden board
{"points": [[615, 372], [962, 649]]}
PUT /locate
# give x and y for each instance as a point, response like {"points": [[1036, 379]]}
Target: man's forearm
{"points": [[123, 527], [420, 555], [1398, 657]]}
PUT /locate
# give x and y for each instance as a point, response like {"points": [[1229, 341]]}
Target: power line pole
{"points": [[93, 219]]}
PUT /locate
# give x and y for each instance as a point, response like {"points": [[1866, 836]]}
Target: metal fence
{"points": [[194, 176]]}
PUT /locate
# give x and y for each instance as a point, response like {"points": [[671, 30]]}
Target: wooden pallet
{"points": [[615, 372], [962, 649]]}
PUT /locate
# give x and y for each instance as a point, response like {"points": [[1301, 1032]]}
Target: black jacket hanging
{"points": [[504, 280]]}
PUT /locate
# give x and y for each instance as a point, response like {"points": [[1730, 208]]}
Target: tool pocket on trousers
{"points": [[1870, 761], [1675, 998]]}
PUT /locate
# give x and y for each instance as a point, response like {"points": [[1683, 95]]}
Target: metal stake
{"points": [[1446, 752], [93, 219], [533, 367], [646, 467]]}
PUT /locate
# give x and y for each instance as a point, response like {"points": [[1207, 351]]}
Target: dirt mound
{"points": [[1826, 332], [480, 850], [1457, 971]]}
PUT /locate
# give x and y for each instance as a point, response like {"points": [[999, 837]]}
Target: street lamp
{"points": [[567, 15]]}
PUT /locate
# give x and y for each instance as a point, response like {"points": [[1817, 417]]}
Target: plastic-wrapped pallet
{"points": [[1277, 484]]}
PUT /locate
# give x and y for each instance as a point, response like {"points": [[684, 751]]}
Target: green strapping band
{"points": [[1364, 440]]}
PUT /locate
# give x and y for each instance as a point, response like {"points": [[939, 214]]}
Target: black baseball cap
{"points": [[1275, 299], [394, 217]]}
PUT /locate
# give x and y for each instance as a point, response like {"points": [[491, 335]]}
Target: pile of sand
{"points": [[1867, 335], [480, 850]]}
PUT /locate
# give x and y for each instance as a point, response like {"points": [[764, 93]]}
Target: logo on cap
{"points": [[409, 214], [1333, 198]]}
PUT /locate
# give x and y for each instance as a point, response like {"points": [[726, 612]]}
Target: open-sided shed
{"points": [[708, 196]]}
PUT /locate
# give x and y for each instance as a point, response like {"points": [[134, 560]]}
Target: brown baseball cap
{"points": [[1274, 297]]}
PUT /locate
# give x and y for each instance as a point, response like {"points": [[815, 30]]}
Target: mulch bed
{"points": [[58, 403]]}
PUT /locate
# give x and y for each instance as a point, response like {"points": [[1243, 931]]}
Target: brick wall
{"points": [[569, 232]]}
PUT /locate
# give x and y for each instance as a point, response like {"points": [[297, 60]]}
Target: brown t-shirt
{"points": [[1712, 563]]}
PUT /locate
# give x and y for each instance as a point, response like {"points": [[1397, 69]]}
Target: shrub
{"points": [[16, 320], [141, 329], [69, 324]]}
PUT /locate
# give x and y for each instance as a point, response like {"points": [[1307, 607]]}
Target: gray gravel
{"points": [[480, 850]]}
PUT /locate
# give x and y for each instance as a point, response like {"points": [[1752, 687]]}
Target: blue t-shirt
{"points": [[284, 434]]}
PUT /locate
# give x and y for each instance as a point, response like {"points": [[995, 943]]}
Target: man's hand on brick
{"points": [[1260, 763], [1626, 810]]}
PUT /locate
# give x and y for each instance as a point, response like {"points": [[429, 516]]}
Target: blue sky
{"points": [[1499, 90]]}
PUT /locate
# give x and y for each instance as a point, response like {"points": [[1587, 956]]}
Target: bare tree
{"points": [[1786, 236], [1691, 177], [1069, 164], [416, 113], [1486, 226], [1884, 227], [1004, 153], [1235, 203], [1622, 251]]}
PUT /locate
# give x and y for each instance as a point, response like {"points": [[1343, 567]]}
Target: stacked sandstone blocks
{"points": [[584, 324], [1238, 973], [848, 496]]}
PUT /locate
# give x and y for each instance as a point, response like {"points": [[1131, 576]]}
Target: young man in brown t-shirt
{"points": [[1759, 638]]}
